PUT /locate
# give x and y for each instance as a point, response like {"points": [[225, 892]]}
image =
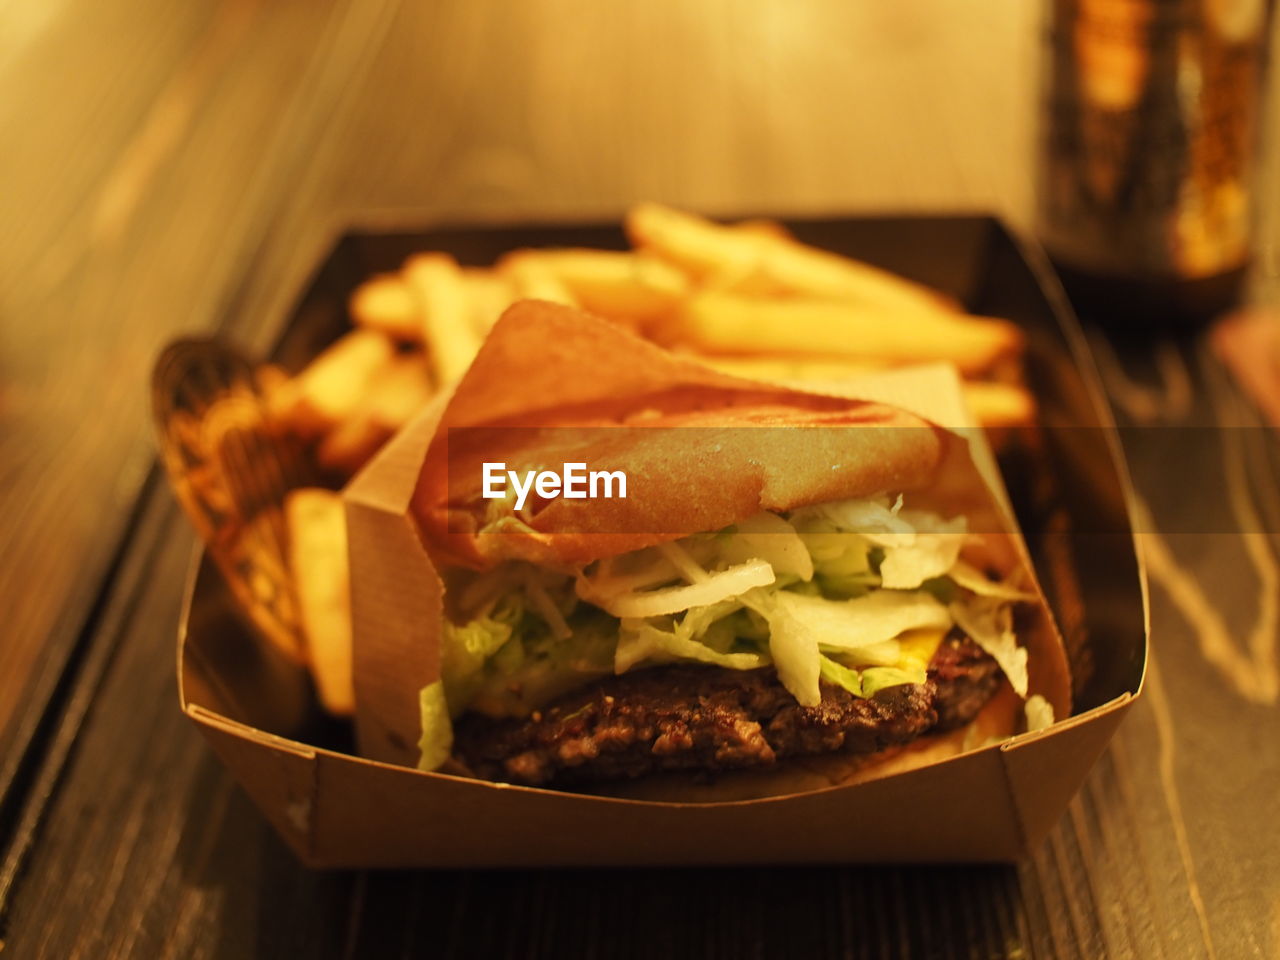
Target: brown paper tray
{"points": [[336, 809]]}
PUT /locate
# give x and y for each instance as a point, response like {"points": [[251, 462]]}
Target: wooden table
{"points": [[180, 168]]}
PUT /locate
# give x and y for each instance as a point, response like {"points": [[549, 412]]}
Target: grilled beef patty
{"points": [[705, 718]]}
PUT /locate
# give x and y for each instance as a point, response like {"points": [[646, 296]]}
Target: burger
{"points": [[795, 589]]}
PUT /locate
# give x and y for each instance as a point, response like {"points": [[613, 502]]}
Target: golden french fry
{"points": [[696, 245], [728, 323], [809, 271], [386, 303], [333, 384], [399, 393], [490, 293], [532, 278], [447, 328], [765, 228], [402, 392], [762, 228], [761, 262], [1000, 404], [317, 528], [635, 287]]}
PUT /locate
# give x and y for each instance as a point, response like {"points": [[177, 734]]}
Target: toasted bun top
{"points": [[553, 385]]}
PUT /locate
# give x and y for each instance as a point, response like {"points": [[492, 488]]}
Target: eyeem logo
{"points": [[574, 482]]}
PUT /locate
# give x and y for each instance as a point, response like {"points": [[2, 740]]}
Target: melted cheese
{"points": [[919, 646]]}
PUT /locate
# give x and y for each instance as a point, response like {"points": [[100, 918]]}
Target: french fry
{"points": [[330, 389], [636, 287], [490, 293], [386, 303], [317, 528], [808, 271], [391, 402], [402, 392], [760, 262], [728, 323], [996, 405], [532, 278], [746, 297], [694, 244], [447, 328], [765, 228]]}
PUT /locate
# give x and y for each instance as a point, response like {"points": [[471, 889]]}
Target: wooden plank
{"points": [[167, 191], [143, 823]]}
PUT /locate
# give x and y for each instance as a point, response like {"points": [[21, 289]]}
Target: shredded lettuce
{"points": [[709, 589], [803, 627], [437, 728], [870, 516], [531, 645], [883, 654], [640, 641], [466, 648], [866, 620], [931, 551], [1039, 712], [916, 545], [539, 667], [972, 579], [849, 565], [840, 675], [794, 648], [844, 561], [990, 623], [769, 537], [613, 576]]}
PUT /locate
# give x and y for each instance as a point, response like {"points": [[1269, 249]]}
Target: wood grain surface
{"points": [[176, 168]]}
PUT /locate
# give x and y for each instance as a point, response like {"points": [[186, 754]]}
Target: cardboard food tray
{"points": [[338, 810]]}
